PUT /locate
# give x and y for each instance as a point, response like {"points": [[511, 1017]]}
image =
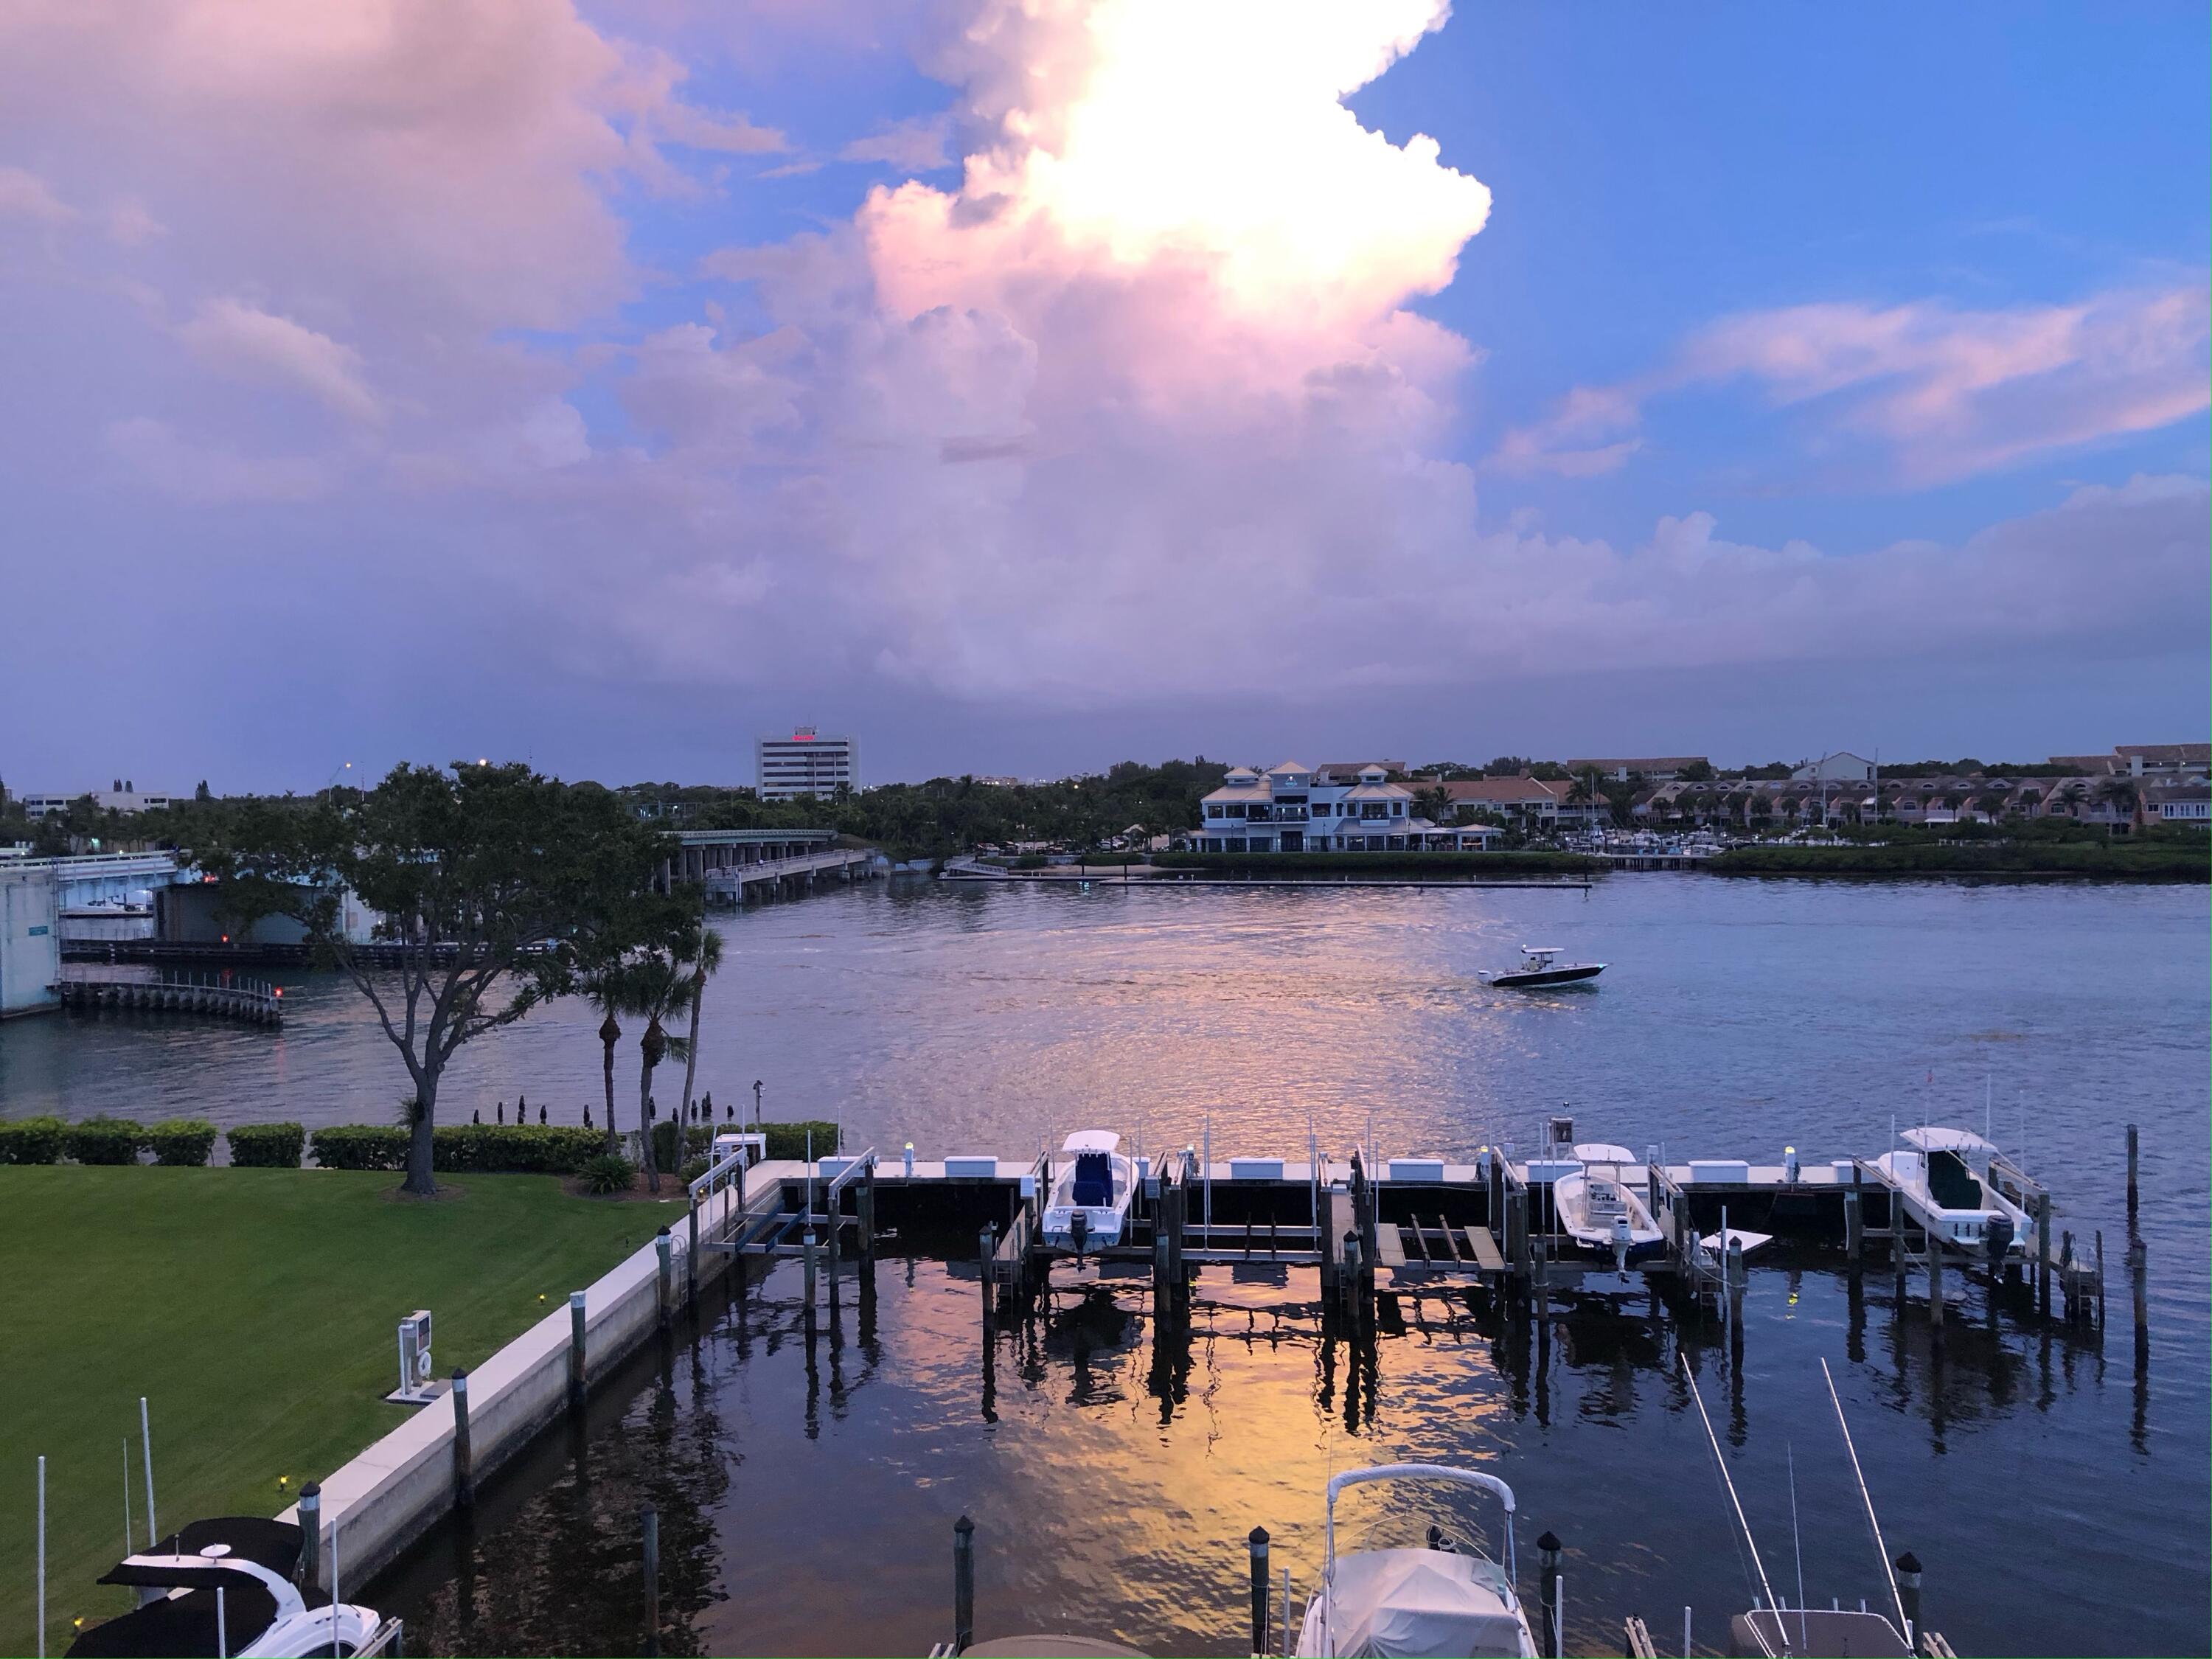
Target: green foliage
{"points": [[103, 1140], [266, 1146], [471, 1148], [32, 1139], [2144, 859], [607, 1172], [514, 1149], [692, 1169], [360, 1146], [182, 1141], [667, 1153], [788, 1141]]}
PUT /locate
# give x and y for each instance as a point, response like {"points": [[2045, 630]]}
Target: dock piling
{"points": [[691, 1261], [311, 1535], [650, 1524], [808, 1248], [576, 1351], [1547, 1578], [2043, 1255], [662, 1247], [1260, 1581], [987, 1245], [963, 1584], [1855, 1219], [465, 1485], [2139, 1274], [1908, 1591], [868, 1214], [2131, 1172]]}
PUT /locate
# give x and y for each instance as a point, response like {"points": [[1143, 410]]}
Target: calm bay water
{"points": [[2055, 1485]]}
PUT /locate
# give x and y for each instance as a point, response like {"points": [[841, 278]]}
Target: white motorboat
{"points": [[1541, 970], [1942, 1180], [1596, 1208], [1089, 1206], [1446, 1599], [225, 1586]]}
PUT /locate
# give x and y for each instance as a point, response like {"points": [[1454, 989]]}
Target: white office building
{"points": [[1291, 808], [805, 763], [125, 797]]}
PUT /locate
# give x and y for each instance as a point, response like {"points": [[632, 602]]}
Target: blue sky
{"points": [[558, 386]]}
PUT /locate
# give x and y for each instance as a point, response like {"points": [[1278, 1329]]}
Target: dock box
{"points": [[971, 1169], [1735, 1170], [1255, 1169], [1843, 1168], [1550, 1169], [831, 1168], [1417, 1169]]}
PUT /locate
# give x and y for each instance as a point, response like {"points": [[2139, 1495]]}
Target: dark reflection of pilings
{"points": [[1169, 1380], [988, 1408], [465, 1572], [867, 1330], [2139, 1297], [1543, 1365], [813, 1376], [1739, 1430], [1855, 1317]]}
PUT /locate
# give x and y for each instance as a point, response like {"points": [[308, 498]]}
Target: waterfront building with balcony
{"points": [[1293, 808]]}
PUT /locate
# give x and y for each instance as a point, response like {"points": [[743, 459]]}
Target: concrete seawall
{"points": [[402, 1485]]}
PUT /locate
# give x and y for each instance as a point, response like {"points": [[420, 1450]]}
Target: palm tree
{"points": [[603, 989], [655, 986], [707, 958]]}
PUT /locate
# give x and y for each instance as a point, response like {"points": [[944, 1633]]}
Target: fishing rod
{"points": [[1713, 1440], [1881, 1549]]}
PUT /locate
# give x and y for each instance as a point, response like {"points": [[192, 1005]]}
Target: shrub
{"points": [[788, 1141], [514, 1149], [266, 1146], [608, 1172], [32, 1140], [361, 1146], [182, 1141], [103, 1140], [692, 1169]]}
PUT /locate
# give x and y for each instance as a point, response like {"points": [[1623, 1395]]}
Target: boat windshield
{"points": [[1093, 1185]]}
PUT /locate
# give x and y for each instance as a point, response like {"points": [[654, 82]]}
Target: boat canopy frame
{"points": [[1443, 1472]]}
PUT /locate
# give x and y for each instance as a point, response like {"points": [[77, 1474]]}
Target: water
{"points": [[2056, 1485]]}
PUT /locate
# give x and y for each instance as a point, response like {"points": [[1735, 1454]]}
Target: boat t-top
{"points": [[1540, 968], [1447, 1599], [1944, 1182], [1089, 1206], [224, 1586], [1596, 1208]]}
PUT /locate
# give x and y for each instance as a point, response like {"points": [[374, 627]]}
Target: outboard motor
{"points": [[1996, 1236], [1081, 1222]]}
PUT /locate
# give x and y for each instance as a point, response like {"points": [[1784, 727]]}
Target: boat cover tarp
{"points": [[184, 1625], [1951, 1184], [1389, 1603], [1092, 1140]]}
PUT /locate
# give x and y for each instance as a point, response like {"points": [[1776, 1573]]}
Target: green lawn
{"points": [[255, 1310]]}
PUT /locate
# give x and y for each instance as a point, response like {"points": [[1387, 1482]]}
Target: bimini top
{"points": [[1946, 1140], [1602, 1151], [1092, 1140]]}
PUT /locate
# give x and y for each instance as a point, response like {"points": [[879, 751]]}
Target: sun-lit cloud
{"points": [[1936, 392], [238, 337]]}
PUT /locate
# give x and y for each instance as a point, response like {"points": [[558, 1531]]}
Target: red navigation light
{"points": [[280, 990], [226, 938]]}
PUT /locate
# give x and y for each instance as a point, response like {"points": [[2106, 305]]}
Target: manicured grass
{"points": [[255, 1309]]}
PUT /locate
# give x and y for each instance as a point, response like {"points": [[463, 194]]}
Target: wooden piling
{"points": [[985, 1247], [963, 1584], [868, 1213], [1257, 1542], [1547, 1576], [465, 1485], [2131, 1170], [1908, 1594], [691, 1260], [576, 1351], [808, 1269], [2139, 1274], [663, 1249], [834, 1204], [1855, 1219], [650, 1524], [2043, 1255]]}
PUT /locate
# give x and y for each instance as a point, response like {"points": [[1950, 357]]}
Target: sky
{"points": [[1024, 385]]}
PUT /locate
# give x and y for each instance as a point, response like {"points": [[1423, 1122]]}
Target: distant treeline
{"points": [[2140, 858]]}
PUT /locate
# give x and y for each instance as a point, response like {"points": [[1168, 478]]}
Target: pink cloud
{"points": [[1940, 393], [240, 338]]}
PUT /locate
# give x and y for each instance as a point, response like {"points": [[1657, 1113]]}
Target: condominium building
{"points": [[805, 763], [125, 797]]}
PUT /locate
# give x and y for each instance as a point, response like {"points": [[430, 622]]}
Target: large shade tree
{"points": [[485, 890]]}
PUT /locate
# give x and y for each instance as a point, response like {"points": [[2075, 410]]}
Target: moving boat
{"points": [[1538, 970], [1944, 1182], [1448, 1599], [224, 1586], [1596, 1208], [1089, 1207]]}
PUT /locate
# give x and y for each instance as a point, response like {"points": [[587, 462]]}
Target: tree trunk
{"points": [[691, 1047], [421, 1178], [650, 1046], [610, 1034]]}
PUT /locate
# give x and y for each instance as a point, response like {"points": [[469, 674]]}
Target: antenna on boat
{"points": [[1881, 1549], [1721, 1463], [1797, 1543], [1989, 1132]]}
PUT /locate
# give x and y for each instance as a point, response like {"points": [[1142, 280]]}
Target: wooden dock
{"points": [[219, 995]]}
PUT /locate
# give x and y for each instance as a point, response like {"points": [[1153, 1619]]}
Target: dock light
{"points": [[283, 1480]]}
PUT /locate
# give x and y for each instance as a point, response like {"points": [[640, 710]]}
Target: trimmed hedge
{"points": [[466, 1148], [181, 1141], [787, 1140], [103, 1140], [360, 1146], [32, 1139], [266, 1146]]}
